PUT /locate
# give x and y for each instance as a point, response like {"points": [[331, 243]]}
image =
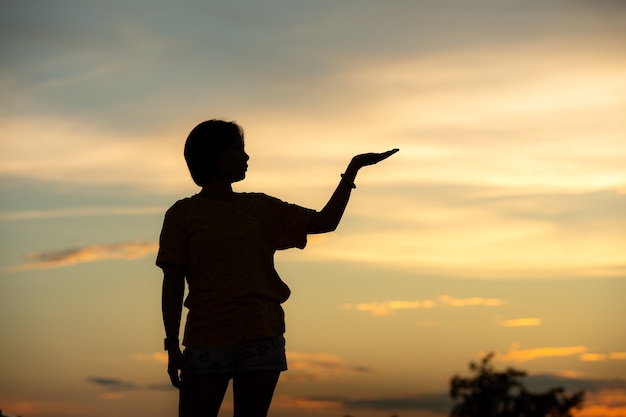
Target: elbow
{"points": [[332, 227], [321, 223], [327, 229]]}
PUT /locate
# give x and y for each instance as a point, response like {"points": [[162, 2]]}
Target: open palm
{"points": [[371, 158]]}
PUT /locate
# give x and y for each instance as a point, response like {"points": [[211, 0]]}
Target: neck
{"points": [[218, 190]]}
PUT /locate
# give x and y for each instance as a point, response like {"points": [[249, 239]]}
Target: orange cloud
{"points": [[90, 253], [473, 301], [593, 357], [605, 403], [524, 355], [523, 322], [160, 357], [43, 407], [601, 357], [389, 307], [569, 374], [283, 401]]}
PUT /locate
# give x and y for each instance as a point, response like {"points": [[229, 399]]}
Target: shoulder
{"points": [[182, 205], [260, 200], [263, 203]]}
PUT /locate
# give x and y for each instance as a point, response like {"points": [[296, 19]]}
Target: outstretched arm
{"points": [[328, 219]]}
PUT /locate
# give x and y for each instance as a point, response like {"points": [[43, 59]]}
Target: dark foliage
{"points": [[489, 393]]}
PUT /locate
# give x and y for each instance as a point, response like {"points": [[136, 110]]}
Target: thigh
{"points": [[202, 395], [253, 392]]}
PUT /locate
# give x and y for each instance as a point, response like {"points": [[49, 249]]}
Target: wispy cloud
{"points": [[115, 388], [434, 403], [593, 357], [29, 406], [468, 87], [305, 366], [112, 384], [160, 357], [472, 301], [306, 403], [603, 357], [89, 253], [515, 354], [389, 307], [79, 212], [485, 232], [522, 322]]}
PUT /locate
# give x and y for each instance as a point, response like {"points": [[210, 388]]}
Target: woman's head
{"points": [[206, 143]]}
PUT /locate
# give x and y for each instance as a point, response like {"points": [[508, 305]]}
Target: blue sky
{"points": [[499, 226]]}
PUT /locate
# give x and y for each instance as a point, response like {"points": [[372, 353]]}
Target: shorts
{"points": [[261, 355]]}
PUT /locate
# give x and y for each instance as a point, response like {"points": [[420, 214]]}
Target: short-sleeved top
{"points": [[228, 252]]}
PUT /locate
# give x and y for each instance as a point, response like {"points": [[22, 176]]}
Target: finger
{"points": [[176, 383], [385, 155], [174, 378]]}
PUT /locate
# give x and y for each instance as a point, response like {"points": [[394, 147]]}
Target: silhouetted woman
{"points": [[223, 244]]}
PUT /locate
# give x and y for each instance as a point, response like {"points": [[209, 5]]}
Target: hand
{"points": [[371, 158], [175, 365]]}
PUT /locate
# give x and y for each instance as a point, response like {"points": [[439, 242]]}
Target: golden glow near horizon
{"points": [[499, 226]]}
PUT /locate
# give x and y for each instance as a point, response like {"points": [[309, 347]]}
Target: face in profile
{"points": [[232, 163]]}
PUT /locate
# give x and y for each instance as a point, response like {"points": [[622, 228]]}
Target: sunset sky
{"points": [[500, 226]]}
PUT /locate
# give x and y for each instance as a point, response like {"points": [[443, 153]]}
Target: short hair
{"points": [[205, 143]]}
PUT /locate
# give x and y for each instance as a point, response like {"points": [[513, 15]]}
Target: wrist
{"points": [[171, 343], [351, 170], [348, 181]]}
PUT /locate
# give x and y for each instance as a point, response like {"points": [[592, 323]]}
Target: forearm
{"points": [[172, 302], [172, 306], [329, 217]]}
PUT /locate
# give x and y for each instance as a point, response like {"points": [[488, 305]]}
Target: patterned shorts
{"points": [[262, 355]]}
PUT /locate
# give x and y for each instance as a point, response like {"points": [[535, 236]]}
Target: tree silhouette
{"points": [[501, 394]]}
